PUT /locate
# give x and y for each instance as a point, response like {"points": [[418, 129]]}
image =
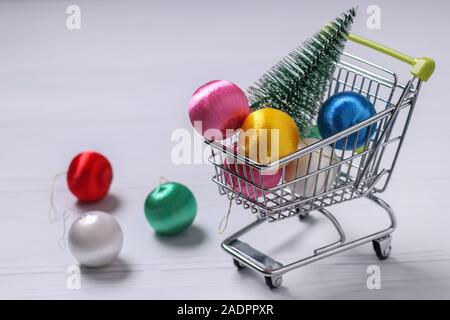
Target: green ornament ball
{"points": [[170, 208]]}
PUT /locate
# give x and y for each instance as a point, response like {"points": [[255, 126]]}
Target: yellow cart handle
{"points": [[422, 68]]}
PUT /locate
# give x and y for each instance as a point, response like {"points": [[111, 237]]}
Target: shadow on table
{"points": [[191, 237], [297, 237], [109, 204], [118, 271]]}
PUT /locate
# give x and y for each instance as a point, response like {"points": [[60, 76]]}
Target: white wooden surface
{"points": [[120, 85]]}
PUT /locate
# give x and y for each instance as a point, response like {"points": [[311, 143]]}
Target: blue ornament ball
{"points": [[342, 111]]}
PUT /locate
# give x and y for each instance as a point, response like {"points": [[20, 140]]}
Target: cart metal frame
{"points": [[349, 174]]}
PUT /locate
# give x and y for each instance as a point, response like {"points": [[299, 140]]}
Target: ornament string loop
{"points": [[162, 180], [62, 240], [65, 217], [52, 211], [224, 222]]}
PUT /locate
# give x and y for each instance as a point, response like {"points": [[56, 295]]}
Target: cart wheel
{"points": [[382, 247], [274, 282], [237, 264], [303, 216]]}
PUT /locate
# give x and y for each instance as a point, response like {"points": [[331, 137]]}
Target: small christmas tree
{"points": [[297, 84]]}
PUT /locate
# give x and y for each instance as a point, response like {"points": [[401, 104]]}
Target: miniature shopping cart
{"points": [[350, 173]]}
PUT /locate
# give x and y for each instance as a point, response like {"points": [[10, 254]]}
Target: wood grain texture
{"points": [[121, 84]]}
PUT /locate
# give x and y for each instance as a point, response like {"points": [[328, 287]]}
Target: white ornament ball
{"points": [[296, 169], [95, 239]]}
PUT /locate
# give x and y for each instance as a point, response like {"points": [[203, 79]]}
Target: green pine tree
{"points": [[297, 84]]}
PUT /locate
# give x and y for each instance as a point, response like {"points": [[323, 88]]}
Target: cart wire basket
{"points": [[336, 174]]}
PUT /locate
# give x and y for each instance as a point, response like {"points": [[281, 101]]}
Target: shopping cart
{"points": [[350, 173]]}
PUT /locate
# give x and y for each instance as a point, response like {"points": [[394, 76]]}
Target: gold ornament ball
{"points": [[268, 135]]}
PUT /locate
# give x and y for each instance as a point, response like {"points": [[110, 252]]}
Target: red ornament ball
{"points": [[89, 176]]}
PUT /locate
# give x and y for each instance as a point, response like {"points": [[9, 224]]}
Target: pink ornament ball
{"points": [[245, 172], [219, 105]]}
